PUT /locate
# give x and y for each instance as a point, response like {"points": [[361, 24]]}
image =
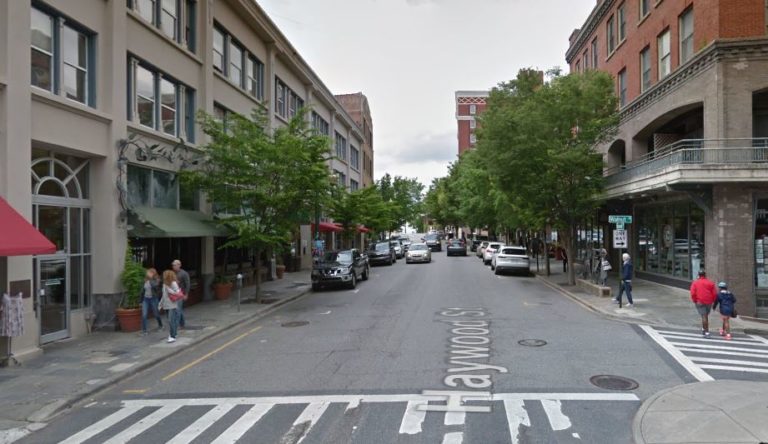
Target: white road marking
{"points": [[721, 352], [453, 438], [325, 312], [454, 418], [121, 367], [719, 347], [243, 424], [698, 335], [683, 360], [142, 425], [102, 425], [759, 338], [734, 369], [516, 416], [311, 414], [202, 423], [711, 340], [729, 361], [412, 419], [557, 419]]}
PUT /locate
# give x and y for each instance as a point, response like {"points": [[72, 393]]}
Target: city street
{"points": [[356, 365]]}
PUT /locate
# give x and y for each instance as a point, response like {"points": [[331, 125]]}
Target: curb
{"points": [[637, 422], [111, 382], [596, 310]]}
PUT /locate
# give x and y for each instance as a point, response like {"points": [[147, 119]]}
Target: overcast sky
{"points": [[410, 56]]}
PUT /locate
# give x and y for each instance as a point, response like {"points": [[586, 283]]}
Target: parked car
{"points": [[511, 258], [381, 253], [344, 267], [433, 242], [456, 247], [406, 243], [489, 251], [481, 248], [418, 253], [399, 252], [477, 241]]}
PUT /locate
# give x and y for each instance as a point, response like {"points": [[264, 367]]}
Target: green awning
{"points": [[164, 222]]}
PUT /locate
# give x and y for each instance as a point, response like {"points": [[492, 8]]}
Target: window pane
{"points": [[74, 47], [188, 199], [138, 186], [236, 64], [145, 100], [168, 111], [218, 50], [74, 83], [86, 281], [42, 31], [163, 190], [75, 282], [86, 230], [146, 9], [169, 18], [41, 70]]}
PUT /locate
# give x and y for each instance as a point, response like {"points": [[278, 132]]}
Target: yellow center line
{"points": [[208, 355], [135, 391]]}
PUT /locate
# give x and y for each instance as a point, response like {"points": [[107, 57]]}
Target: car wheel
{"points": [[496, 272], [390, 261], [353, 282], [315, 287], [492, 267], [366, 273]]}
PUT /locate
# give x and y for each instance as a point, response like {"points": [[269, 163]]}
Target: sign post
{"points": [[620, 237]]}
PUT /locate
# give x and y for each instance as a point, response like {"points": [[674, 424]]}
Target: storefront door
{"points": [[52, 301]]}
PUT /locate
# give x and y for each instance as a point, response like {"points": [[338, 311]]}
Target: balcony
{"points": [[693, 161]]}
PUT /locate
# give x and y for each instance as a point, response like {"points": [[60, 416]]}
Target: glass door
{"points": [[53, 303]]}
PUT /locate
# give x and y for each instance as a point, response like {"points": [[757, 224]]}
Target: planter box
{"points": [[129, 319]]}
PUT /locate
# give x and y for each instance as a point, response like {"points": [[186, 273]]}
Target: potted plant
{"points": [[222, 287], [132, 278]]}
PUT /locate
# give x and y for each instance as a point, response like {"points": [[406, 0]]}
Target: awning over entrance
{"points": [[327, 227], [360, 228], [164, 222], [18, 237]]}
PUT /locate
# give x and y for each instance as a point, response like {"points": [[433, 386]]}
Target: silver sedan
{"points": [[418, 253]]}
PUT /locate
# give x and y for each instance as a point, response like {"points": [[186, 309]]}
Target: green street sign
{"points": [[620, 225], [619, 219]]}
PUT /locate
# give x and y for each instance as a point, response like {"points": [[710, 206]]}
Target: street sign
{"points": [[619, 219], [620, 239]]}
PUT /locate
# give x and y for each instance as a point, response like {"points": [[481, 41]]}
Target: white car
{"points": [[418, 253], [489, 251], [481, 249], [511, 258], [399, 253]]}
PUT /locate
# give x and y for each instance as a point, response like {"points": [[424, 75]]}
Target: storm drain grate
{"points": [[532, 342], [293, 324], [612, 382]]}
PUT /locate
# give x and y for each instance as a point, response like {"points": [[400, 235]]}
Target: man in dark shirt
{"points": [[182, 277]]}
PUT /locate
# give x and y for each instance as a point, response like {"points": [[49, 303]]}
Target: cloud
{"points": [[425, 157]]}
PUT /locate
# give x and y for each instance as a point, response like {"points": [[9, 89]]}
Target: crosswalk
{"points": [[512, 417], [707, 359]]}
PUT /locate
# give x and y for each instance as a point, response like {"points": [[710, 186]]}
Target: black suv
{"points": [[343, 267], [381, 253], [433, 242]]}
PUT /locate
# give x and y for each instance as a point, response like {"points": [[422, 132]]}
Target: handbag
{"points": [[175, 297], [607, 266]]}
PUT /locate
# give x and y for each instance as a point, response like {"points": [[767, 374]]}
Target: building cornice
{"points": [[719, 50], [588, 28]]}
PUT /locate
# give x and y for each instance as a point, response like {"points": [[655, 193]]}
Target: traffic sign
{"points": [[620, 239], [619, 219]]}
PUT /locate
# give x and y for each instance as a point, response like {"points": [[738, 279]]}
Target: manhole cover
{"points": [[268, 300], [611, 382], [532, 342], [294, 324]]}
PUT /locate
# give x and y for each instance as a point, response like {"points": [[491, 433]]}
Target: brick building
{"points": [[469, 104], [356, 105], [690, 157]]}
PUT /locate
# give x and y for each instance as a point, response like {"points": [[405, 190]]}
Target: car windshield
{"points": [[380, 247], [514, 251], [418, 247], [494, 246], [456, 243], [432, 237], [342, 257], [395, 243]]}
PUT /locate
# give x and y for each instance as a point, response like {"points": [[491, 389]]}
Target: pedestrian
{"points": [[605, 267], [182, 277], [727, 302], [150, 297], [172, 294], [565, 259], [626, 280], [703, 295]]}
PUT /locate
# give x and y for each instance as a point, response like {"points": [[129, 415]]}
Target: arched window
{"points": [[56, 177]]}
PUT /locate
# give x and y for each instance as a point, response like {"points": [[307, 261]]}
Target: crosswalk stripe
{"points": [[729, 361], [720, 347], [554, 411], [714, 340], [754, 340], [721, 352], [412, 419], [759, 338], [102, 425], [678, 355], [142, 425], [196, 428], [454, 418], [516, 416], [310, 415], [737, 369], [453, 438], [243, 424]]}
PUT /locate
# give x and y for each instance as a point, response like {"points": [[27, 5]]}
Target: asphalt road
{"points": [[391, 362]]}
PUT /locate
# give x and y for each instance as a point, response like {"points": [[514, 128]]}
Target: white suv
{"points": [[490, 250]]}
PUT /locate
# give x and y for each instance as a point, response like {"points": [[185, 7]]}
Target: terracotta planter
{"points": [[280, 271], [222, 291], [129, 319]]}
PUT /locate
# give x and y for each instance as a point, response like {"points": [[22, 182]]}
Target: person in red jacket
{"points": [[703, 295]]}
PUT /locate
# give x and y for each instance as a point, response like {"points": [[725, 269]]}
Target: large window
{"points": [[241, 67], [61, 56], [161, 103], [610, 32], [287, 102], [665, 56], [761, 254], [686, 36], [174, 18], [341, 147], [354, 157], [645, 8], [621, 14], [236, 64], [354, 185], [254, 77], [320, 124], [158, 189], [645, 69], [671, 240], [623, 87], [218, 50], [595, 53]]}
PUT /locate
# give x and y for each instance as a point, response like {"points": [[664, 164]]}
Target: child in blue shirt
{"points": [[727, 302]]}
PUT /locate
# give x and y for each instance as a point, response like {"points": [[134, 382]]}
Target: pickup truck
{"points": [[344, 267]]}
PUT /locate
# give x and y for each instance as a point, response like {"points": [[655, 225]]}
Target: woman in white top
{"points": [[170, 287]]}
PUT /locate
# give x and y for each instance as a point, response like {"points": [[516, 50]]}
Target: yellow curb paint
{"points": [[135, 391], [208, 355]]}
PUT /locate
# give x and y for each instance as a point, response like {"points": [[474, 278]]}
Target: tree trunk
{"points": [[546, 253], [258, 275], [569, 242]]}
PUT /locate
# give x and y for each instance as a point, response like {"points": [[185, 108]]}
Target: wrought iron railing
{"points": [[710, 152]]}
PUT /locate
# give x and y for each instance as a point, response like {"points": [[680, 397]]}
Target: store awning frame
{"points": [[327, 227], [18, 237], [147, 222]]}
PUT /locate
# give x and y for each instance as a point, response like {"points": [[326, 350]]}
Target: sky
{"points": [[409, 57]]}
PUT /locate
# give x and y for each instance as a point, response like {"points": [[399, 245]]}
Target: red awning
{"points": [[360, 228], [18, 237], [327, 227]]}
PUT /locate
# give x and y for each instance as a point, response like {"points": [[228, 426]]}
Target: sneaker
{"points": [[728, 337], [171, 339], [630, 305], [143, 333], [706, 334], [722, 332], [615, 301]]}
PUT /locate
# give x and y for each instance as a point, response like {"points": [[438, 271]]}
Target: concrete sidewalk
{"points": [[72, 370], [655, 304], [705, 412]]}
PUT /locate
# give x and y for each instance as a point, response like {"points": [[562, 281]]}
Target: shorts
{"points": [[704, 309]]}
